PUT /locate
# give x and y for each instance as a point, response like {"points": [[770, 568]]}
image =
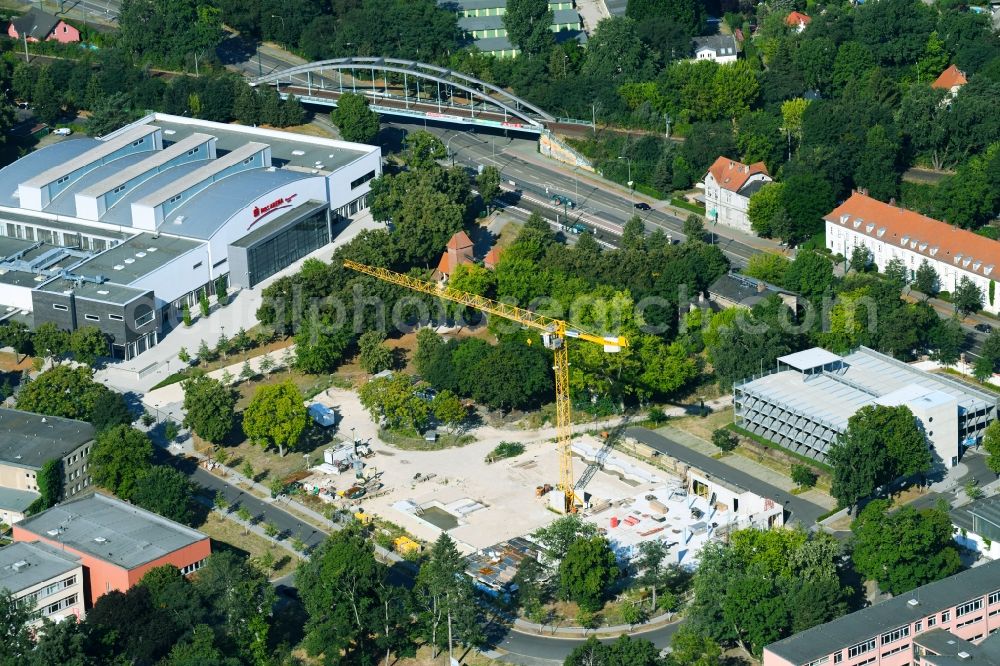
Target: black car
{"points": [[983, 328], [641, 205]]}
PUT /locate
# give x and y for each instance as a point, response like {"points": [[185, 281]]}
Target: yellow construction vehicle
{"points": [[554, 334]]}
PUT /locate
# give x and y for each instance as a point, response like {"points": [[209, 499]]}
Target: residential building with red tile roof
{"points": [[951, 80], [728, 187], [798, 20], [892, 232]]}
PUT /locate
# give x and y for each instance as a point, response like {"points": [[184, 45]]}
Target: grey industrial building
{"points": [[804, 403], [123, 231]]}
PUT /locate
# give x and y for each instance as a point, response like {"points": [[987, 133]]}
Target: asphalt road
{"points": [[266, 512], [600, 207], [540, 650]]}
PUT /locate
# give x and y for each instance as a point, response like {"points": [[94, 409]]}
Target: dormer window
{"points": [[913, 244], [988, 269], [966, 262], [881, 232], [857, 222], [844, 218], [904, 240], [922, 246], [976, 265], [934, 250], [869, 227], [958, 258]]}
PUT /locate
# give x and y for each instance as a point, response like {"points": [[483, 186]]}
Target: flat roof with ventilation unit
{"points": [[24, 565], [29, 440], [202, 176], [132, 536], [96, 154], [151, 163], [127, 262]]}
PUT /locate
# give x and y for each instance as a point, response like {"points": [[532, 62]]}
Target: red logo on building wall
{"points": [[262, 211]]}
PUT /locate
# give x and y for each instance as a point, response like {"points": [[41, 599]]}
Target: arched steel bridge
{"points": [[409, 88]]}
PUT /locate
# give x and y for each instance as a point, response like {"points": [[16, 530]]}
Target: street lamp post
{"points": [[630, 189]]}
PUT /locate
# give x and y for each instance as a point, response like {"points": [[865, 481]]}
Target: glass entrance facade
{"points": [[275, 253]]}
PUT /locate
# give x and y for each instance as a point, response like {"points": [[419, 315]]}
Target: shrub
{"points": [[724, 439], [657, 416], [505, 450], [804, 476]]}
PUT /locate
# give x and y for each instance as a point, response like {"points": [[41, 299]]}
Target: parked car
{"points": [[642, 205], [983, 328], [63, 131]]}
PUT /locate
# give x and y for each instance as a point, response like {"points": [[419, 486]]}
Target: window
{"points": [[838, 657], [945, 616], [895, 635], [931, 621], [817, 662], [197, 266], [143, 319], [917, 626], [120, 188], [970, 607], [896, 650], [114, 317], [993, 598], [860, 648], [357, 182], [90, 317], [60, 307], [219, 263], [136, 143], [968, 622], [176, 197], [191, 568]]}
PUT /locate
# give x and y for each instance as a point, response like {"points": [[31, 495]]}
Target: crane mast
{"points": [[554, 334]]}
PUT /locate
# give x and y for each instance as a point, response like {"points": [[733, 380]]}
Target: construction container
{"points": [[658, 507], [614, 521], [404, 545]]}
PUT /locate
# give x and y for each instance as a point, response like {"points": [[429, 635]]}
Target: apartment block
{"points": [[966, 605]]}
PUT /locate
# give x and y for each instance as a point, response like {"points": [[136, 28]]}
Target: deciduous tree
{"points": [[905, 548], [63, 391], [968, 297], [276, 416], [209, 407], [354, 119], [121, 456], [587, 571], [529, 26], [166, 491], [373, 355]]}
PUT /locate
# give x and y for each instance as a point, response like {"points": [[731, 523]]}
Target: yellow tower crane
{"points": [[554, 334]]}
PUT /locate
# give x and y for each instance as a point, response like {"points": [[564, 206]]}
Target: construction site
{"points": [[486, 505]]}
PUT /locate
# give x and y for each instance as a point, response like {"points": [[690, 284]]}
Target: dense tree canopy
{"points": [[904, 548], [208, 406]]}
